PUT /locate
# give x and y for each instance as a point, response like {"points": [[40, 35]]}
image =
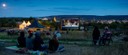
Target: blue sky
{"points": [[37, 8]]}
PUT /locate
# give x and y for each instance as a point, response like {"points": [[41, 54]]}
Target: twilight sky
{"points": [[36, 8]]}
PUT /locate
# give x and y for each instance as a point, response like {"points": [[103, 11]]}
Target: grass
{"points": [[4, 35], [78, 43]]}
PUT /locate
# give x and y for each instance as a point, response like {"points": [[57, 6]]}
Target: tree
{"points": [[114, 25], [13, 23]]}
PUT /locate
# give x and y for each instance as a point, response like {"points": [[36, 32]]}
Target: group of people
{"points": [[103, 39], [34, 41]]}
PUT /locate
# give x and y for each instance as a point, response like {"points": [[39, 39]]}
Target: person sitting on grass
{"points": [[29, 40], [54, 45], [106, 37], [21, 40], [38, 43]]}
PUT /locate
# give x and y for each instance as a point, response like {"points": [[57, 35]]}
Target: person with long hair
{"points": [[29, 40], [106, 37], [96, 35], [53, 44], [21, 39], [38, 41]]}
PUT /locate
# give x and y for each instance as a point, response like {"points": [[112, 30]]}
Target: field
{"points": [[74, 49], [75, 43]]}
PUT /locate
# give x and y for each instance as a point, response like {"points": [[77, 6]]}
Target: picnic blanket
{"points": [[15, 48]]}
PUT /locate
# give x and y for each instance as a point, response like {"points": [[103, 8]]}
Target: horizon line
{"points": [[59, 15]]}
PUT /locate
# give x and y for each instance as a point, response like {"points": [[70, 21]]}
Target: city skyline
{"points": [[39, 8]]}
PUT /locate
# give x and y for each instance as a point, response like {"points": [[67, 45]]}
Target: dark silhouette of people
{"points": [[38, 41], [106, 37], [53, 44], [29, 40], [96, 35], [38, 33], [21, 40]]}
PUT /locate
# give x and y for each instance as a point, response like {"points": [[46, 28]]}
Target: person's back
{"points": [[21, 40], [96, 35], [38, 33], [37, 42], [29, 41], [53, 44], [106, 37]]}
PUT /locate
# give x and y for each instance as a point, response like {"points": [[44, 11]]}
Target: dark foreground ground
{"points": [[76, 49]]}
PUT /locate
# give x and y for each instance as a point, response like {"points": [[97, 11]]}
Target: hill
{"points": [[86, 17], [89, 17]]}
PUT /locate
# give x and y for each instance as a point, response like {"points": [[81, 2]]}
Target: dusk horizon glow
{"points": [[40, 8]]}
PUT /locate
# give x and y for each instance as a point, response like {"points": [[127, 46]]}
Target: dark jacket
{"points": [[96, 33], [37, 42], [53, 44], [29, 41], [21, 40]]}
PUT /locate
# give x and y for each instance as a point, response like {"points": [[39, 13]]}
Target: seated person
{"points": [[54, 45], [106, 38], [29, 41], [37, 42], [21, 40]]}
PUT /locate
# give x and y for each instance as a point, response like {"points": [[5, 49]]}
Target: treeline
{"points": [[12, 22], [113, 25]]}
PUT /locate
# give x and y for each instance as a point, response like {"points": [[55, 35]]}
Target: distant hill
{"points": [[89, 17], [86, 17]]}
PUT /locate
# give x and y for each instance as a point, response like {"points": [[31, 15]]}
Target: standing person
{"points": [[38, 41], [29, 40], [96, 35], [21, 40]]}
